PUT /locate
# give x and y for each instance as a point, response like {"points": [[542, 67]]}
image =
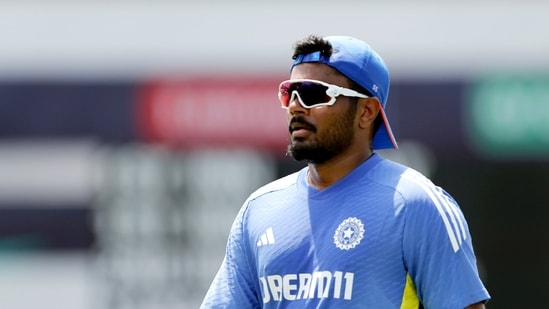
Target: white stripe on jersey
{"points": [[457, 214], [446, 208]]}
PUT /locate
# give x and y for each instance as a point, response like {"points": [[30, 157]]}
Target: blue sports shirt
{"points": [[384, 236]]}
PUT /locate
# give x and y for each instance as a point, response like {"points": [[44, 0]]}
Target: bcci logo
{"points": [[349, 233]]}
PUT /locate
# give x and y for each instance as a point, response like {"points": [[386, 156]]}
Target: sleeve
{"points": [[233, 285], [438, 252]]}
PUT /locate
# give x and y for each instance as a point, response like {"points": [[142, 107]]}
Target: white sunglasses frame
{"points": [[333, 92]]}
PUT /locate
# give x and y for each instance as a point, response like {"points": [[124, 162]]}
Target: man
{"points": [[350, 230]]}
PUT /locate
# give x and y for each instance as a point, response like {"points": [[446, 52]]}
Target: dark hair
{"points": [[311, 44]]}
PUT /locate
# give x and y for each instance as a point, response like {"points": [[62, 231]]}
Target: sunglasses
{"points": [[312, 93]]}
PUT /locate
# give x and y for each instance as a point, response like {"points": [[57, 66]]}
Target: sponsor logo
{"points": [[349, 233], [266, 238], [316, 285]]}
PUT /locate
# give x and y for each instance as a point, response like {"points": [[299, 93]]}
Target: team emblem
{"points": [[349, 233]]}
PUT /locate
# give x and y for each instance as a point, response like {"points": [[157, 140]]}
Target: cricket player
{"points": [[351, 229]]}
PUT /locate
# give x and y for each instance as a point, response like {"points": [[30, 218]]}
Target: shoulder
{"points": [[403, 180], [430, 210], [264, 195], [413, 191], [407, 182], [274, 186]]}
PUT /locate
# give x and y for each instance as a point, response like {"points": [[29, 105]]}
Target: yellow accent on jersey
{"points": [[409, 297]]}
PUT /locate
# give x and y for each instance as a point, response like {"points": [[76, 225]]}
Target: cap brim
{"points": [[384, 137]]}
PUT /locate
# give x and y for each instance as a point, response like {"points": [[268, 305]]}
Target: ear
{"points": [[368, 109]]}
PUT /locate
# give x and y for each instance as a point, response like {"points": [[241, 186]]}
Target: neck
{"points": [[323, 175]]}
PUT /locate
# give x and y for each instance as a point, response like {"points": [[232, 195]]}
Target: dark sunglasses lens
{"points": [[313, 93], [310, 93]]}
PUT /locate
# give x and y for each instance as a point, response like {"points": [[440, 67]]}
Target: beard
{"points": [[319, 148]]}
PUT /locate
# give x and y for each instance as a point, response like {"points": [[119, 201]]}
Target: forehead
{"points": [[319, 71]]}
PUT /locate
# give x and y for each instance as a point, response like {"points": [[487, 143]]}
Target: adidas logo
{"points": [[266, 238]]}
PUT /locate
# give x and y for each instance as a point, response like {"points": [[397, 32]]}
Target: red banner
{"points": [[199, 112]]}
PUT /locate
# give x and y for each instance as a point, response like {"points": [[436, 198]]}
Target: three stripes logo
{"points": [[266, 238]]}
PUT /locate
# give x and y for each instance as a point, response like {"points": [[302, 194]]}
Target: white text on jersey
{"points": [[319, 284]]}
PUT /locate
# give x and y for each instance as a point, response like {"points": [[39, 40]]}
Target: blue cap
{"points": [[359, 62]]}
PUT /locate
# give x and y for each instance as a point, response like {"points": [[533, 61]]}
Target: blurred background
{"points": [[131, 132]]}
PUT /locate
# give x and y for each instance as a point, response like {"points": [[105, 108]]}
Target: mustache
{"points": [[300, 122]]}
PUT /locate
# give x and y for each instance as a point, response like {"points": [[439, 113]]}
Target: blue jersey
{"points": [[382, 237]]}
